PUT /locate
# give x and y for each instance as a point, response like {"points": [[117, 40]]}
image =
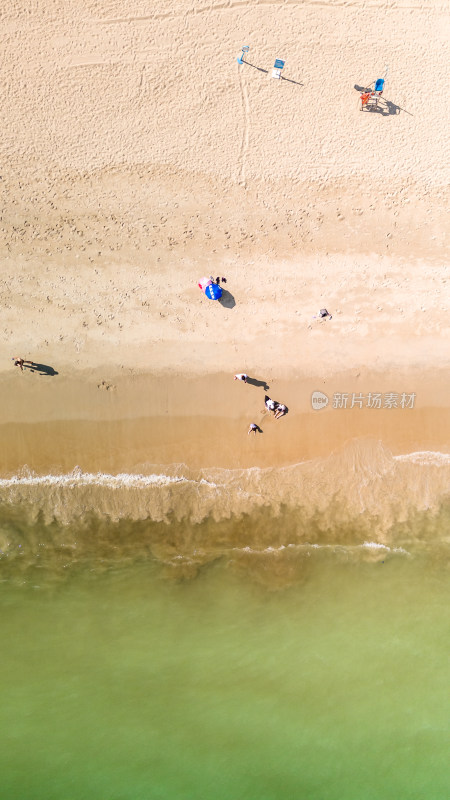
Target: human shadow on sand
{"points": [[256, 382], [42, 369], [227, 300]]}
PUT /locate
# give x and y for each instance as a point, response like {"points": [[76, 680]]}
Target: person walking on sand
{"points": [[21, 362], [241, 376], [281, 411], [253, 428]]}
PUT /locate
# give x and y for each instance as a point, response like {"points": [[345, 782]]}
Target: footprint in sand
{"points": [[105, 385]]}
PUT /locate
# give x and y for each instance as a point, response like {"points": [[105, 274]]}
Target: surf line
{"points": [[79, 478]]}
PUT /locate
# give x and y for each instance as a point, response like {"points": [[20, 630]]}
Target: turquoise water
{"points": [[124, 684]]}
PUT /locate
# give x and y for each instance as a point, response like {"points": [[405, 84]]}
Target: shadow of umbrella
{"points": [[227, 300], [289, 80], [255, 67]]}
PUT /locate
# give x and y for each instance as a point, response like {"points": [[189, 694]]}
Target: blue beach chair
{"points": [[277, 67]]}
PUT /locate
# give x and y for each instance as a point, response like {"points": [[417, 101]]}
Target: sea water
{"points": [[271, 672]]}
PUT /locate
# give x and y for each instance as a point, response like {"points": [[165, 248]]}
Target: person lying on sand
{"points": [[323, 314], [281, 411], [20, 362], [271, 405]]}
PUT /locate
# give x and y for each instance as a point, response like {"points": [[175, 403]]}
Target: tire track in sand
{"points": [[232, 4], [242, 157]]}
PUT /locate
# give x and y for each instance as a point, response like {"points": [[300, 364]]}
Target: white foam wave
{"points": [[426, 457], [375, 546], [379, 546], [79, 478], [134, 480], [333, 547]]}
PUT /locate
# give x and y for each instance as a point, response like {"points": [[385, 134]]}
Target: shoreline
{"points": [[130, 424], [359, 500]]}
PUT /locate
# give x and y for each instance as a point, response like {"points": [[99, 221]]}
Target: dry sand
{"points": [[138, 156]]}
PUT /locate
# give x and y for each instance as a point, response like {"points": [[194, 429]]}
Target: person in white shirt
{"points": [[241, 376], [271, 405], [281, 411]]}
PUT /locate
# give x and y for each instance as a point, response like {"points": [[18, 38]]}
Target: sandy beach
{"points": [[137, 156], [189, 611]]}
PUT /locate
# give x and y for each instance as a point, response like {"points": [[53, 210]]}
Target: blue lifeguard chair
{"points": [[378, 87], [245, 49], [379, 83], [369, 98], [277, 67]]}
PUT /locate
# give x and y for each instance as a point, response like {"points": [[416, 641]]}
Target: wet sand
{"points": [[334, 476], [131, 424]]}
